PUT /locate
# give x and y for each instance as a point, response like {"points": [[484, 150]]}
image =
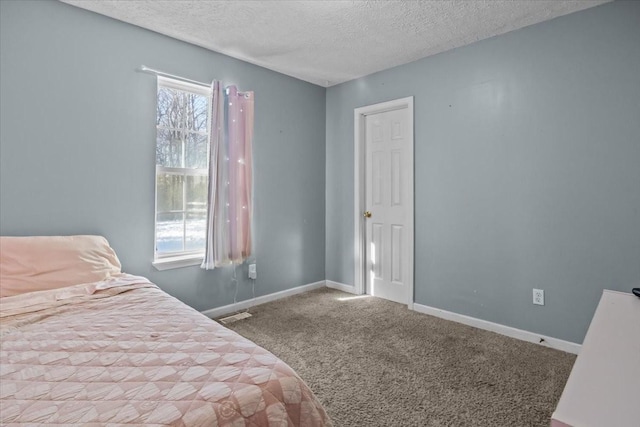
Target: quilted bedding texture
{"points": [[126, 353]]}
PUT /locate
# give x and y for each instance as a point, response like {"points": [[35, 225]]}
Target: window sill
{"points": [[177, 262]]}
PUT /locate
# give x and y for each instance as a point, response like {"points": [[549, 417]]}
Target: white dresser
{"points": [[603, 389]]}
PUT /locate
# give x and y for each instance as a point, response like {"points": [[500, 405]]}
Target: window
{"points": [[182, 156]]}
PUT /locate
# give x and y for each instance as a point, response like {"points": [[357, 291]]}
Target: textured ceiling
{"points": [[332, 41]]}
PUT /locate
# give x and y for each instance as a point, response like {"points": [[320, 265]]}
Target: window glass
{"points": [[196, 151], [169, 151], [182, 157]]}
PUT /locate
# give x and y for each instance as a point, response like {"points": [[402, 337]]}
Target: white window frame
{"points": [[168, 260]]}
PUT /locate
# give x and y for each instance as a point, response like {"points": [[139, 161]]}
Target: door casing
{"points": [[359, 189]]}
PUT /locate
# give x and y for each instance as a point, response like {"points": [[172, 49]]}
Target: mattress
{"points": [[123, 352]]}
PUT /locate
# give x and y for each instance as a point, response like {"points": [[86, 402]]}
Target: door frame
{"points": [[359, 192]]}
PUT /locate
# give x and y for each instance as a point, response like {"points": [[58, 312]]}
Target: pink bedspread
{"points": [[125, 352]]}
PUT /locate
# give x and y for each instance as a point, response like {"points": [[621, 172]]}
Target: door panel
{"points": [[396, 254], [376, 177], [396, 178], [376, 250], [388, 173]]}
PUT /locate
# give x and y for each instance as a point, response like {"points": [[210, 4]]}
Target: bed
{"points": [[121, 351]]}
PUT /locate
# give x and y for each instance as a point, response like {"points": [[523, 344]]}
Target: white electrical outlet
{"points": [[538, 296], [253, 274]]}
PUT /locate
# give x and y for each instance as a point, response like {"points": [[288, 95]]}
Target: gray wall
{"points": [[527, 153], [77, 146], [527, 170]]}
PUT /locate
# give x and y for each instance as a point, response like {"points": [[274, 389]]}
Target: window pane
{"points": [[196, 230], [171, 105], [169, 148], [197, 193], [169, 192], [181, 144], [196, 152], [196, 112], [170, 232]]}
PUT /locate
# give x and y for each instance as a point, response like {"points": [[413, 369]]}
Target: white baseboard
{"points": [[520, 334], [341, 287], [242, 305]]}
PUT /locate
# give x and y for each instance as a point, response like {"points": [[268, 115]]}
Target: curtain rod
{"points": [[145, 69], [148, 70]]}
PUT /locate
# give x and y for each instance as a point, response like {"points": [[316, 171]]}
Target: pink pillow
{"points": [[40, 263]]}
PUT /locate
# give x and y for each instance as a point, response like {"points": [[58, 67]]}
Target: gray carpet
{"points": [[372, 362]]}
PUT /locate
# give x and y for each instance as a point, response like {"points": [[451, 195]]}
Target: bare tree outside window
{"points": [[181, 168]]}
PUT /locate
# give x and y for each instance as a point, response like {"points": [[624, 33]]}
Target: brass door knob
{"points": [[367, 214]]}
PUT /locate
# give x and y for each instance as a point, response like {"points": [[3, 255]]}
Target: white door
{"points": [[388, 212]]}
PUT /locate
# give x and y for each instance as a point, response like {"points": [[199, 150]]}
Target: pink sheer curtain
{"points": [[229, 219]]}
